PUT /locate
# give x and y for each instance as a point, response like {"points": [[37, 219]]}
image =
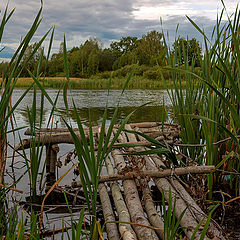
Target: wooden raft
{"points": [[129, 179]]}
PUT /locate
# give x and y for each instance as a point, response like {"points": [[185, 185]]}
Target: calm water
{"points": [[92, 103]]}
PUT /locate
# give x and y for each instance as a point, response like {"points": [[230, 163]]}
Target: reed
{"points": [[208, 108]]}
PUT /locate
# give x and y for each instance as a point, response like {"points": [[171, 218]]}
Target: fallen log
{"points": [[125, 230], [156, 173], [197, 211], [111, 226], [133, 202], [46, 139], [153, 215]]}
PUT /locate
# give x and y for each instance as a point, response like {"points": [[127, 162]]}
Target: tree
{"points": [[125, 45], [32, 63], [187, 50], [150, 47]]}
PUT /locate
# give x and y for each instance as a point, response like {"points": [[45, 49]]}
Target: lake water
{"points": [[92, 103]]}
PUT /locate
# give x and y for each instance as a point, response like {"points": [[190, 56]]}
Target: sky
{"points": [[109, 20]]}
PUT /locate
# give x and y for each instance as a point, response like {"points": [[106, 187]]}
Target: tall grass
{"points": [[208, 109]]}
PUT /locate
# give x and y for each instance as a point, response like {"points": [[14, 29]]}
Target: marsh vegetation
{"points": [[203, 89]]}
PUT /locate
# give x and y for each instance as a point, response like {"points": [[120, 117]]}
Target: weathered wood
{"points": [[46, 139], [125, 230], [111, 226], [194, 207], [133, 202], [159, 174], [51, 159], [149, 206]]}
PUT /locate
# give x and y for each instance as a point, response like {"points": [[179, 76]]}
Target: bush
{"points": [[152, 74]]}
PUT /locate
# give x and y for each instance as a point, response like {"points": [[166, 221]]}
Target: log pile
{"points": [[132, 213]]}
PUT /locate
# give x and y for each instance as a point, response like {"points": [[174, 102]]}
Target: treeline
{"points": [[90, 58]]}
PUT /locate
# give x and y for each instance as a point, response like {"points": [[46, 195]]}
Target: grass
{"points": [[97, 83], [208, 108]]}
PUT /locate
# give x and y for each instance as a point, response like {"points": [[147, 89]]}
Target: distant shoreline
{"points": [[96, 83]]}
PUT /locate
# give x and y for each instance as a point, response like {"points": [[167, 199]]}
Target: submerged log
{"points": [[111, 226]]}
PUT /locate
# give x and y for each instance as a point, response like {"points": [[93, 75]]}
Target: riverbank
{"points": [[98, 83]]}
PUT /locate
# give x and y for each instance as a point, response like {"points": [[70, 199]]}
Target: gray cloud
{"points": [[106, 20]]}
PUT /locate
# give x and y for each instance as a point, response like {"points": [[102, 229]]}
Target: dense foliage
{"points": [[90, 58]]}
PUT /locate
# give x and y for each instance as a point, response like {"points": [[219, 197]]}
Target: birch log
{"points": [[133, 202], [125, 230], [111, 226], [149, 205]]}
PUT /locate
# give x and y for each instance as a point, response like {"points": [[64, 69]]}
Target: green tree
{"points": [[189, 50], [150, 49], [31, 65], [125, 45]]}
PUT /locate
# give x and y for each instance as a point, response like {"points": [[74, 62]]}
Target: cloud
{"points": [[107, 20]]}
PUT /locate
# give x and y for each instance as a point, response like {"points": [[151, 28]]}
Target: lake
{"points": [[91, 103]]}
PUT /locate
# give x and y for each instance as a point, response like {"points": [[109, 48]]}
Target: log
{"points": [[149, 205], [194, 207], [46, 139], [157, 173], [111, 226], [125, 230], [133, 202], [95, 128]]}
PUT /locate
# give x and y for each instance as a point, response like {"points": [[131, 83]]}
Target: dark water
{"points": [[91, 104]]}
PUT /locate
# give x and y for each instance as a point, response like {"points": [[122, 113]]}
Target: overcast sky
{"points": [[109, 20]]}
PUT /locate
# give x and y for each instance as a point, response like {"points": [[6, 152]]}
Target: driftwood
{"points": [[125, 230], [111, 226], [197, 211], [133, 202], [149, 206], [157, 173]]}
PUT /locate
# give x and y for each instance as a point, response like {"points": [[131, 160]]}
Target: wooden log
{"points": [[95, 128], [125, 230], [188, 222], [149, 206], [133, 202], [46, 139], [152, 213], [158, 173], [111, 226], [51, 159], [198, 212]]}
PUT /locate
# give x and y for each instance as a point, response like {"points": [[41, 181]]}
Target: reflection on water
{"points": [[91, 103]]}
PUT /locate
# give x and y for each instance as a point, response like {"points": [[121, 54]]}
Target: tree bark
{"points": [[133, 202], [125, 230], [111, 228]]}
